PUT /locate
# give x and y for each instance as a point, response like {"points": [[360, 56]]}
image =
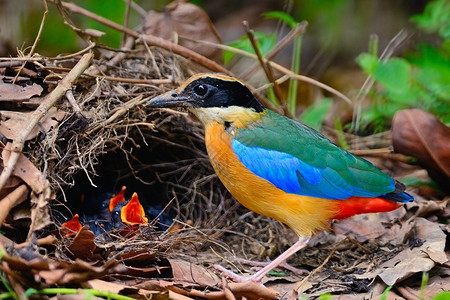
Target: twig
{"points": [[73, 103], [90, 46], [265, 66], [298, 30], [41, 111], [369, 82], [118, 112], [121, 55], [136, 80], [137, 8], [36, 40], [126, 20], [14, 198]]}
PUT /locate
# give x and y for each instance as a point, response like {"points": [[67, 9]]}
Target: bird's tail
{"points": [[399, 194]]}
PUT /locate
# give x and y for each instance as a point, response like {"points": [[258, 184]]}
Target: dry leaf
{"points": [[25, 170], [415, 260], [40, 215], [181, 19], [14, 92], [83, 246], [12, 123], [75, 272], [34, 268], [421, 135], [438, 282], [245, 290], [371, 226], [188, 273], [145, 263]]}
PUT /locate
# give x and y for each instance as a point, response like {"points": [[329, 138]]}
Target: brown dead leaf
{"points": [[130, 291], [427, 208], [412, 260], [34, 269], [188, 273], [83, 246], [14, 92], [145, 263], [13, 122], [188, 22], [105, 286], [371, 226], [40, 209], [437, 283], [245, 290], [76, 272], [41, 195], [421, 135], [25, 170], [138, 257]]}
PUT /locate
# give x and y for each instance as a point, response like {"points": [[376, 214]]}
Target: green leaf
{"points": [[396, 77], [282, 16], [326, 296], [385, 293], [442, 296], [265, 43], [315, 114], [433, 71], [367, 62], [276, 273], [435, 18], [341, 141]]}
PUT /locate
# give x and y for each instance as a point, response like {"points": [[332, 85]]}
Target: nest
{"points": [[103, 137]]}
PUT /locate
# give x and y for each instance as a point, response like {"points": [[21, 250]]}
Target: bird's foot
{"points": [[283, 264], [280, 260], [238, 278]]}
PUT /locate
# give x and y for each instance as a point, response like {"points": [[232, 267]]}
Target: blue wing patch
{"points": [[294, 176]]}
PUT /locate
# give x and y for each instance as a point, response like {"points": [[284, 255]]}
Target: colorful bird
{"points": [[278, 167]]}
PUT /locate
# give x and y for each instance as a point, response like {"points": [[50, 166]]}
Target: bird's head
{"points": [[213, 98]]}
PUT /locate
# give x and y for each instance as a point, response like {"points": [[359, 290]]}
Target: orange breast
{"points": [[305, 215]]}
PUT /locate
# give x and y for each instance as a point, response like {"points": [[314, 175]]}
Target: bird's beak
{"points": [[169, 100]]}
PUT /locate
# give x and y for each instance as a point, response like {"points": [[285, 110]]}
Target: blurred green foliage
{"points": [[315, 114], [420, 79]]}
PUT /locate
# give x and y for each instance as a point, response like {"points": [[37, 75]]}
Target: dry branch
{"points": [[12, 199]]}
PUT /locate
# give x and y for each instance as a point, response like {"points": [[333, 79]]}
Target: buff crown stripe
{"points": [[223, 77]]}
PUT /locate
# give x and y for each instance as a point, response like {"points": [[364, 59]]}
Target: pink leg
{"points": [[283, 265], [258, 276]]}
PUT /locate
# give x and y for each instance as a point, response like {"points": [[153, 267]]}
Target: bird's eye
{"points": [[116, 215], [200, 90]]}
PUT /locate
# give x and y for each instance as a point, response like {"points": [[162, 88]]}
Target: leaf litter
{"points": [[107, 138]]}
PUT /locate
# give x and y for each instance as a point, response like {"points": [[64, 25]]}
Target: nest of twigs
{"points": [[99, 137]]}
